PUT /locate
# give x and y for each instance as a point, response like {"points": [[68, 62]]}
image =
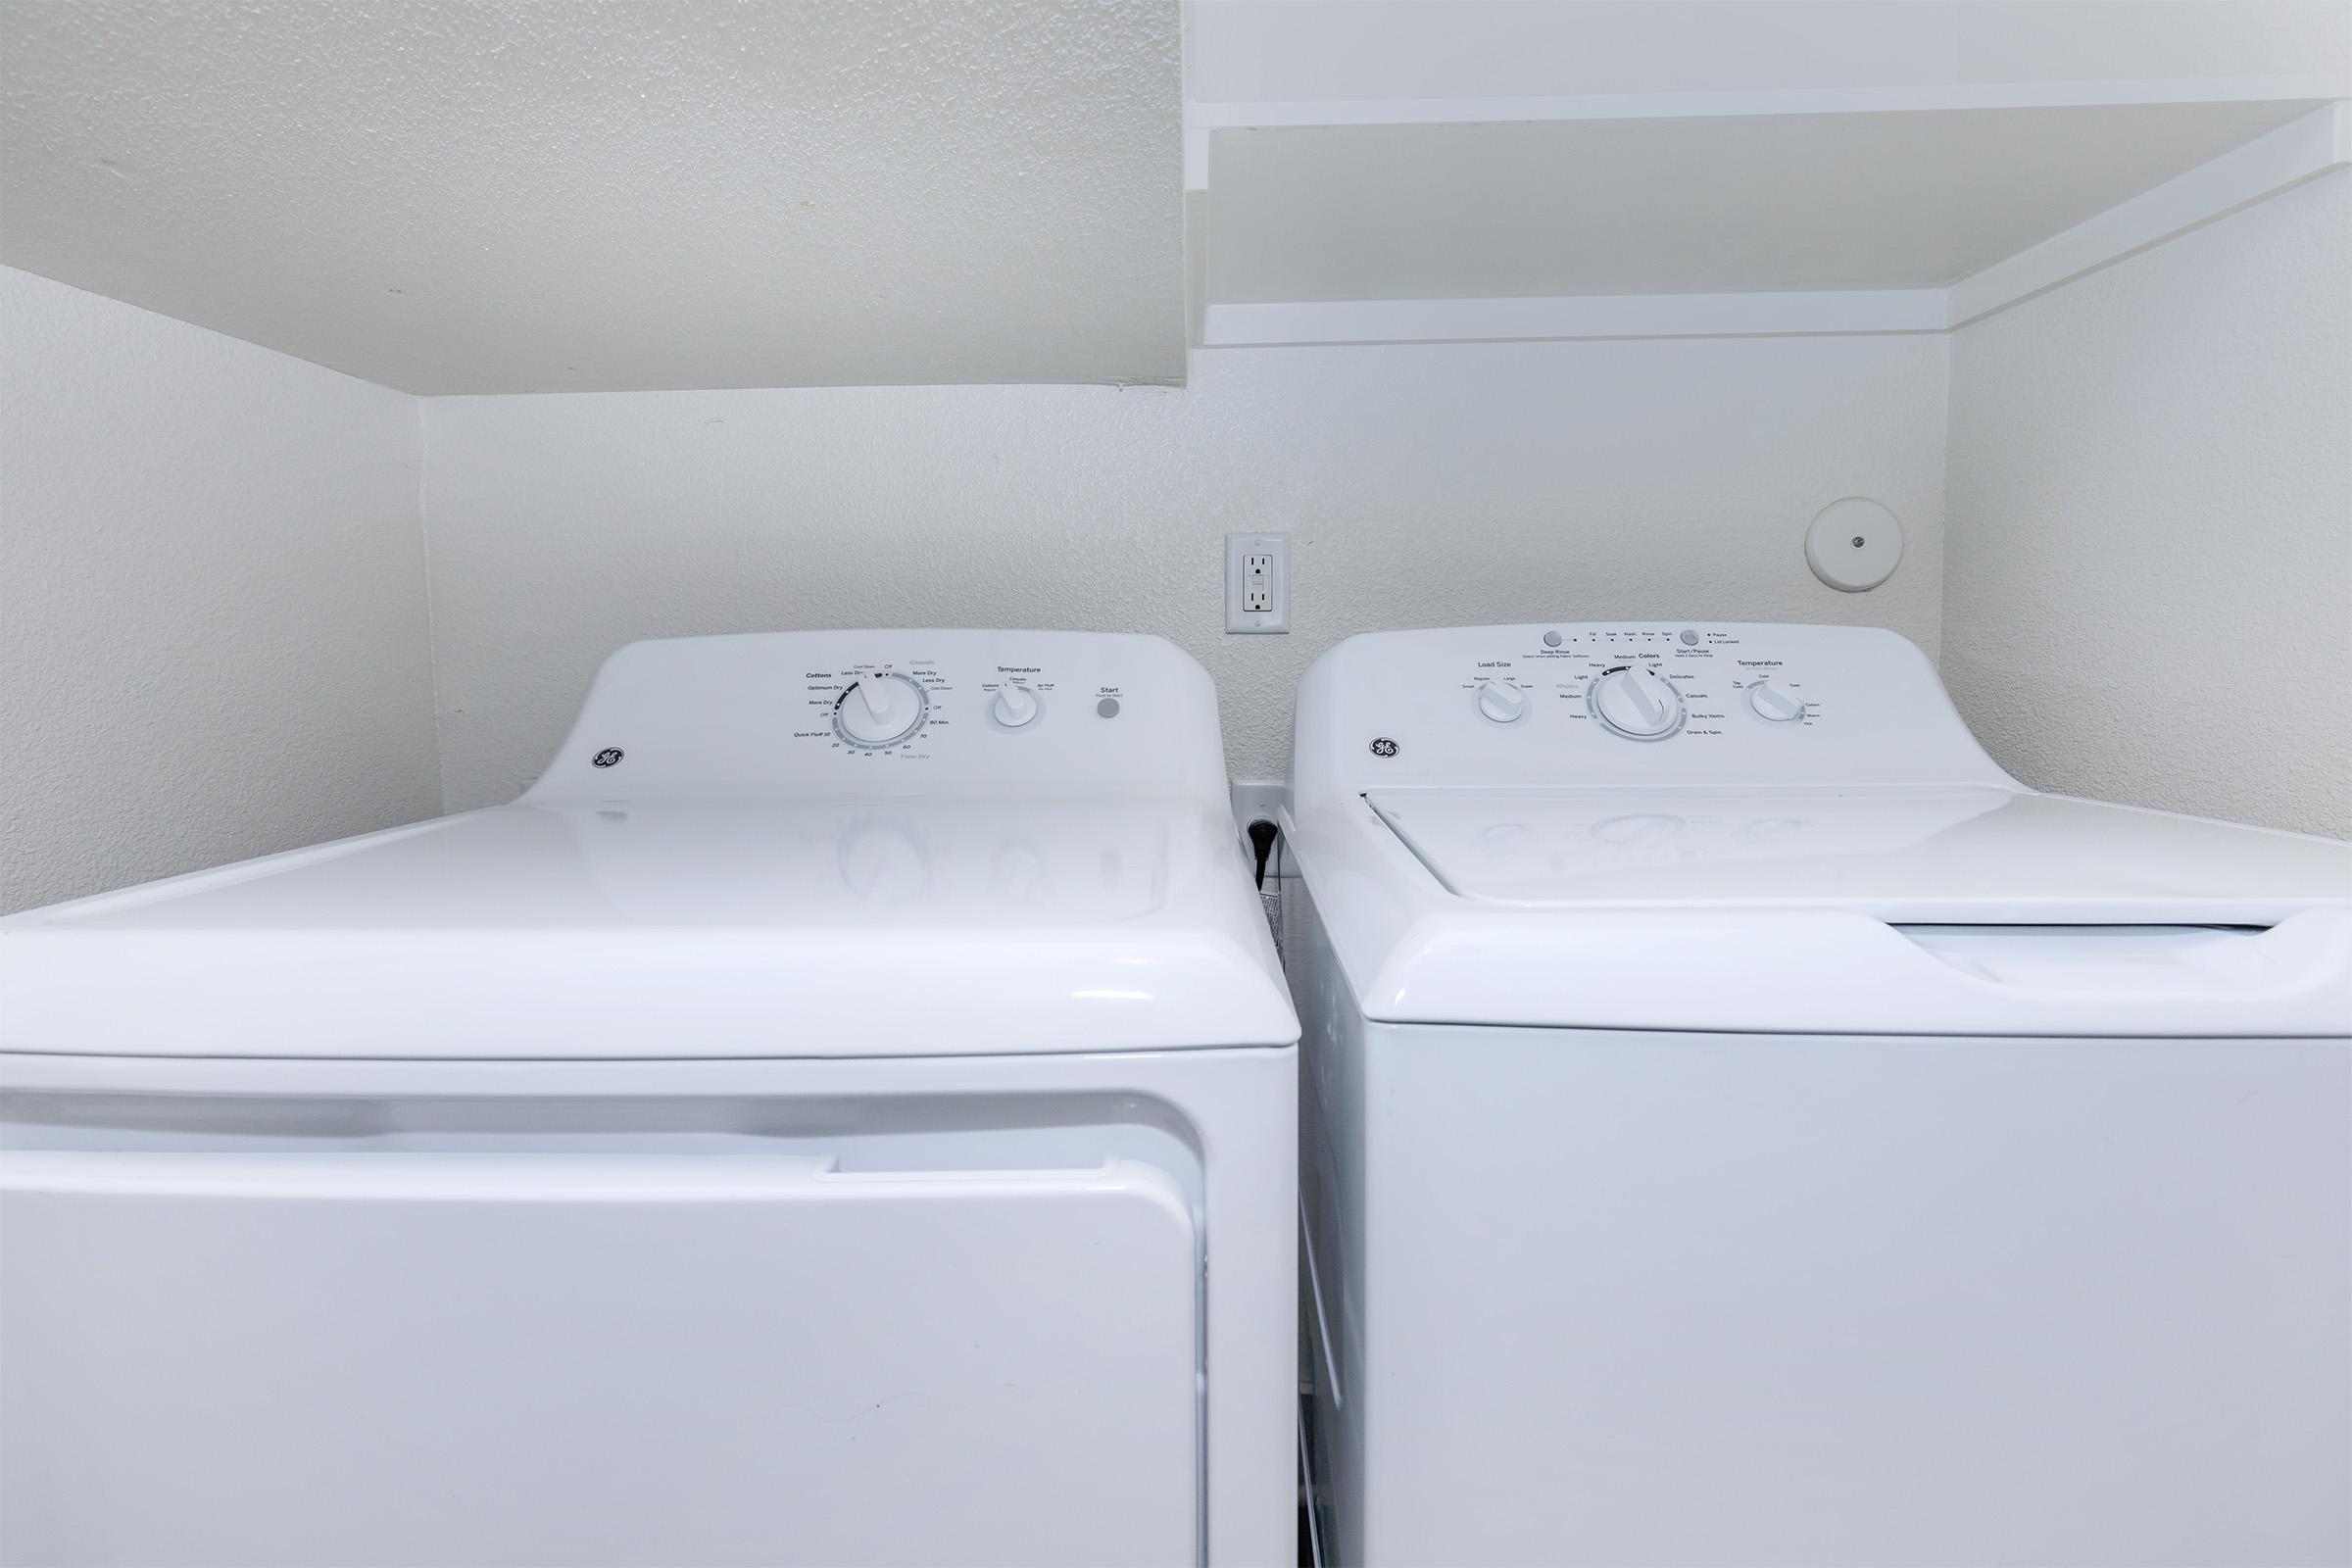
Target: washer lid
{"points": [[1964, 855], [873, 928], [1889, 910]]}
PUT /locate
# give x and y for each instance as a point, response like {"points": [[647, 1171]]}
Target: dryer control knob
{"points": [[1634, 703], [1501, 701], [1769, 701], [881, 710], [1014, 706]]}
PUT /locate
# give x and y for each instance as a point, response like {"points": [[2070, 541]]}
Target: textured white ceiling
{"points": [[518, 195]]}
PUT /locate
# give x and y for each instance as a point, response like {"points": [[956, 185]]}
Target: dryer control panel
{"points": [[826, 715], [1650, 703]]}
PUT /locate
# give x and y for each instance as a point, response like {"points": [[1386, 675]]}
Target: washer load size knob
{"points": [[880, 711], [1774, 703], [1501, 701], [1630, 701]]}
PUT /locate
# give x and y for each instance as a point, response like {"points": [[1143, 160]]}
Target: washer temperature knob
{"points": [[1014, 706], [1771, 703], [881, 710], [1634, 703], [1501, 701]]}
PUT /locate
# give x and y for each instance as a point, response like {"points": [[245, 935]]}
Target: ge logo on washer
{"points": [[1384, 747], [607, 757]]}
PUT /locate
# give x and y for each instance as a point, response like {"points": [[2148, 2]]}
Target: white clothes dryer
{"points": [[795, 1132], [1747, 1127]]}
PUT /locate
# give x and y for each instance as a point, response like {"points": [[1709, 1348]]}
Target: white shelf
{"points": [[2303, 149], [1864, 219], [1203, 119], [1418, 171]]}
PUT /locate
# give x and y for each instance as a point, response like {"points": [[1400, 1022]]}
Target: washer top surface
{"points": [[1944, 856], [1700, 826], [749, 878]]}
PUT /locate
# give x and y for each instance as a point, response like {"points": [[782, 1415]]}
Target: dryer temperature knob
{"points": [[1014, 705]]}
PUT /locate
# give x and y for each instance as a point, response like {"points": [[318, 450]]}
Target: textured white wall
{"points": [[1422, 486], [518, 196], [2149, 568], [213, 637]]}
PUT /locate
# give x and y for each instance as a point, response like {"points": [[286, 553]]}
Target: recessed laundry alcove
{"points": [[375, 373]]}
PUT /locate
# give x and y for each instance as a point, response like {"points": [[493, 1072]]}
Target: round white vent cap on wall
{"points": [[1854, 545]]}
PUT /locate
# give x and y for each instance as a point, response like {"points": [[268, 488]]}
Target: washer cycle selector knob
{"points": [[1014, 705], [1501, 701], [1636, 704], [881, 710], [1769, 701]]}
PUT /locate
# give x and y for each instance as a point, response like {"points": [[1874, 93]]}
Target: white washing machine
{"points": [[795, 1132], [1748, 1127]]}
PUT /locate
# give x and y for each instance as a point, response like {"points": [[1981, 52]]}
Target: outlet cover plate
{"points": [[1254, 799], [1260, 562]]}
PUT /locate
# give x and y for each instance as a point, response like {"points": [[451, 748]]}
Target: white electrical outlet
{"points": [[1257, 582], [1254, 798]]}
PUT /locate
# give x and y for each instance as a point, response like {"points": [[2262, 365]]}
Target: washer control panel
{"points": [[1641, 683], [1656, 702], [904, 711]]}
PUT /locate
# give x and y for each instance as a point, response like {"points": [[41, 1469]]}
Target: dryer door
{"points": [[453, 1358]]}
